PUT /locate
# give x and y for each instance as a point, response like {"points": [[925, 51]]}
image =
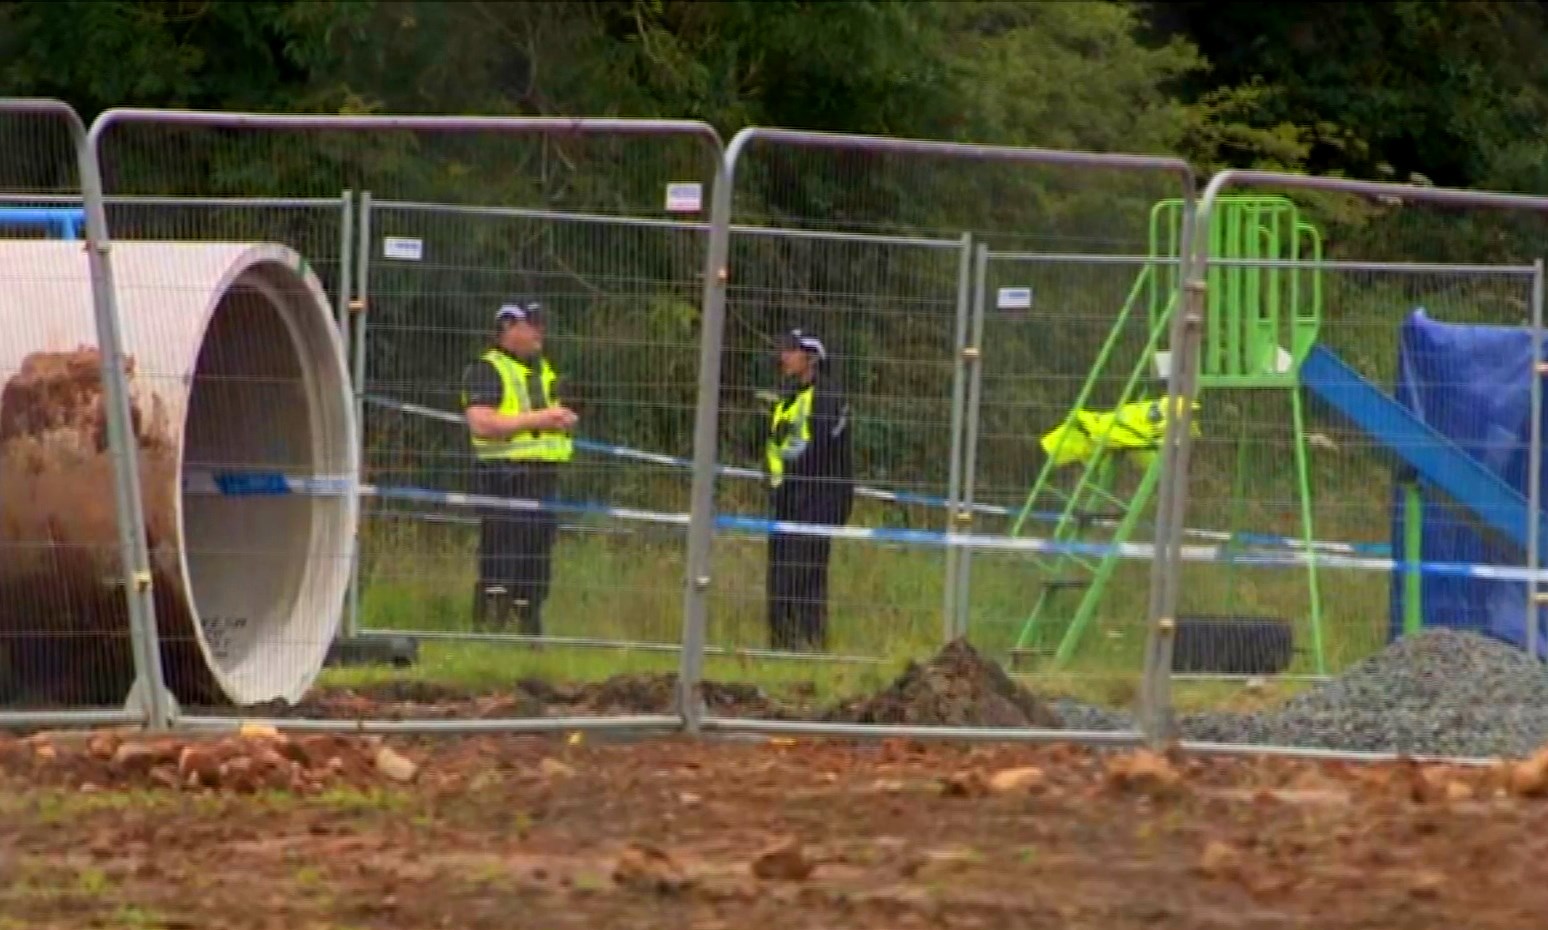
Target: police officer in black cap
{"points": [[521, 438], [809, 461]]}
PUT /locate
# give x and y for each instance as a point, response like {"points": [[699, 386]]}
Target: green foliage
{"points": [[1452, 90]]}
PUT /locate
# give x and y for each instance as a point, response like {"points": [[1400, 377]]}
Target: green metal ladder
{"points": [[1252, 314]]}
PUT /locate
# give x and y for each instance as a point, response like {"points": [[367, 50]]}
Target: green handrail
{"points": [[1086, 390]]}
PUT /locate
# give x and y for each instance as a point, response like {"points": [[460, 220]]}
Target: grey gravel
{"points": [[1078, 715], [1441, 692]]}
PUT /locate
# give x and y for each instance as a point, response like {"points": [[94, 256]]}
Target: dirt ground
{"points": [[958, 686], [259, 831]]}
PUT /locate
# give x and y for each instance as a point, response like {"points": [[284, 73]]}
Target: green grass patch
{"points": [[886, 604]]}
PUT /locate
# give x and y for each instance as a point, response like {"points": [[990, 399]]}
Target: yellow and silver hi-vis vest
{"points": [[529, 445], [789, 433], [1136, 429]]}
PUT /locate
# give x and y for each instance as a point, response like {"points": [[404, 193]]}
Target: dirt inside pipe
{"points": [[64, 626]]}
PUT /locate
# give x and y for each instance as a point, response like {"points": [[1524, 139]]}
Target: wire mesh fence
{"points": [[253, 375], [983, 459], [876, 480], [66, 651], [620, 295], [1067, 440], [1368, 416]]}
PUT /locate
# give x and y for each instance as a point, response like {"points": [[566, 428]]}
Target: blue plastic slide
{"points": [[1435, 459]]}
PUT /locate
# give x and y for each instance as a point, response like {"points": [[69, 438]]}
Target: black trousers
{"points": [[515, 549], [798, 578]]}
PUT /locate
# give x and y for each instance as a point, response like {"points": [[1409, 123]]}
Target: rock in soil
{"points": [[958, 687], [646, 868], [1023, 778], [231, 763], [1143, 772], [785, 861]]}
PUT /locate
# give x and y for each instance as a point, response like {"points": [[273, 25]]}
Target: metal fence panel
{"points": [[254, 374], [1369, 448], [622, 293], [863, 295], [870, 243], [1068, 339], [72, 644]]}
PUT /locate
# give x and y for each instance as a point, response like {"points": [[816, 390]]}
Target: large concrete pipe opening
{"points": [[237, 377]]}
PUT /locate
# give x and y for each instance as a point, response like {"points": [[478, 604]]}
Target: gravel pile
{"points": [[1442, 692]]}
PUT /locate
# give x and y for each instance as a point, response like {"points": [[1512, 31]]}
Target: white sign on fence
{"points": [[1014, 298], [685, 197], [403, 249]]}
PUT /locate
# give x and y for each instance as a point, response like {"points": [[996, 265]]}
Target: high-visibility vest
{"points": [[1136, 428], [789, 433], [529, 445]]}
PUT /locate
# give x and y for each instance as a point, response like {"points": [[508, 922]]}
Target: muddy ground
{"points": [[262, 831], [958, 686]]}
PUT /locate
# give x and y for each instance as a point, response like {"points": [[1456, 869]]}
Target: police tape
{"points": [[1378, 550], [249, 484]]}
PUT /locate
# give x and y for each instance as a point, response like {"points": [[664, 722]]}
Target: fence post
{"points": [[150, 683], [974, 354], [706, 426], [954, 510], [346, 242], [355, 348], [1171, 504], [1535, 466]]}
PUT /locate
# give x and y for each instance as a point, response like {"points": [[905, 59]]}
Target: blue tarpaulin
{"points": [[1471, 384]]}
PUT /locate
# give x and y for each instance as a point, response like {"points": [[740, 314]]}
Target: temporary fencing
{"points": [[879, 247], [278, 440], [1101, 478], [76, 629], [1369, 384], [621, 294]]}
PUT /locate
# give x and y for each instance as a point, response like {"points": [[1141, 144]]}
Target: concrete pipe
{"points": [[235, 366]]}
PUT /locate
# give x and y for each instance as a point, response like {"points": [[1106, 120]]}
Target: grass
{"points": [[624, 584]]}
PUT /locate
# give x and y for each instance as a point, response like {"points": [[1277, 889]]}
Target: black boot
{"points": [[480, 607], [491, 610], [530, 616]]}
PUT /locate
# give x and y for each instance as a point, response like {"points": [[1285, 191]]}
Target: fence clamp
{"points": [[357, 305], [971, 353], [1166, 626], [142, 581], [1542, 368], [701, 582], [1540, 598]]}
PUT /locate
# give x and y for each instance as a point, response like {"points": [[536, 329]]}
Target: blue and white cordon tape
{"points": [[249, 484], [1379, 550]]}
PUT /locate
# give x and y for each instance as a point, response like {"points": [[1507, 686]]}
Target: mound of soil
{"points": [[651, 694], [958, 687]]}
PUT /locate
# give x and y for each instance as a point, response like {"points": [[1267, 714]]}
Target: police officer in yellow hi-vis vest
{"points": [[809, 461], [521, 436]]}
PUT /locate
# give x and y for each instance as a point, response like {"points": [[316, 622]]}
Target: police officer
{"points": [[521, 437], [810, 471]]}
